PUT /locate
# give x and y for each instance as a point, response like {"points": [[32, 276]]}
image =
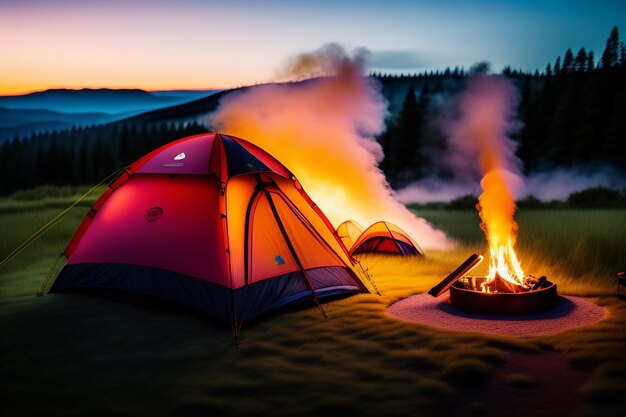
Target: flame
{"points": [[487, 117], [496, 208]]}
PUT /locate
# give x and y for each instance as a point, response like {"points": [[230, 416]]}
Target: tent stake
{"points": [[42, 289], [368, 277]]}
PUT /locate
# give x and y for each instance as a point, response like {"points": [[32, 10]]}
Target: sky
{"points": [[194, 44]]}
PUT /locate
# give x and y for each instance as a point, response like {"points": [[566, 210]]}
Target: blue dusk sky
{"points": [[219, 44]]}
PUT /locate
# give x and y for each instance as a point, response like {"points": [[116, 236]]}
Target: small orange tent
{"points": [[385, 237], [349, 231]]}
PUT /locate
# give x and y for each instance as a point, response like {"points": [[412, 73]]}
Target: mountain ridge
{"points": [[103, 100]]}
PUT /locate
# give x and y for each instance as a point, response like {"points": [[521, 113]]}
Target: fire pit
{"points": [[466, 294], [496, 295]]}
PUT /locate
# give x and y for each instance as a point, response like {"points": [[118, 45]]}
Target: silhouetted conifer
{"points": [[557, 66], [591, 64], [568, 62], [580, 62], [611, 55]]}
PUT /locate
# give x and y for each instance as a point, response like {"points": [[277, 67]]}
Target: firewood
{"points": [[465, 267]]}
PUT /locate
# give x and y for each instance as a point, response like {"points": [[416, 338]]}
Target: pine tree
{"points": [[610, 57], [124, 148], [614, 144], [580, 62], [590, 62], [16, 163], [5, 174], [420, 161], [404, 146], [590, 129], [557, 66], [84, 169], [52, 161], [568, 62]]}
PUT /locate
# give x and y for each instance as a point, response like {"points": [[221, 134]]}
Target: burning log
{"points": [[464, 268], [535, 283], [499, 284]]}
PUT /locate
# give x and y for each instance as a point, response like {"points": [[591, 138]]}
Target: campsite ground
{"points": [[70, 355]]}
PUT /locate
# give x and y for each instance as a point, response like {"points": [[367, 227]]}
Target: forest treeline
{"points": [[573, 113], [83, 155]]}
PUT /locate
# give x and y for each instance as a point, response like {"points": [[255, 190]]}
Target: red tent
{"points": [[385, 237], [212, 222]]}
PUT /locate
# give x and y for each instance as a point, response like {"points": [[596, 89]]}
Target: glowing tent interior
{"points": [[349, 231], [385, 237], [212, 222]]}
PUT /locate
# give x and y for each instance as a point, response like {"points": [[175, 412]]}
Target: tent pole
{"points": [[393, 239], [283, 231]]}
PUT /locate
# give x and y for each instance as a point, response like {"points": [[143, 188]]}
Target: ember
{"points": [[499, 284]]}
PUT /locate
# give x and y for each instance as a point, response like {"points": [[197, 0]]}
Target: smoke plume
{"points": [[323, 130], [479, 131], [479, 141]]}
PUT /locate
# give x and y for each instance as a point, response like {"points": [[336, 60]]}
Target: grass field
{"points": [[71, 355]]}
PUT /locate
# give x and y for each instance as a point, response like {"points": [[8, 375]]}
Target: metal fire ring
{"points": [[503, 303]]}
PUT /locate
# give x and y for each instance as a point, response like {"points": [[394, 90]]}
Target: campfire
{"points": [[496, 295], [506, 289], [467, 294]]}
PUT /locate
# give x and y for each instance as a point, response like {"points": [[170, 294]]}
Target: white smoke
{"points": [[556, 184], [323, 130]]}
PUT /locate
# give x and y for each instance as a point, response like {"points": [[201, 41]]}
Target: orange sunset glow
{"points": [[159, 45], [118, 45]]}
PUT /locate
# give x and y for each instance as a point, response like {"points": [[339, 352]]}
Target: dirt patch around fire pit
{"points": [[571, 313]]}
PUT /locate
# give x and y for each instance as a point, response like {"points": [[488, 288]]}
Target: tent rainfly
{"points": [[349, 231], [212, 222], [385, 237]]}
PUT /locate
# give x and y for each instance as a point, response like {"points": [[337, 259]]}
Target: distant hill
{"points": [[194, 110], [189, 94], [394, 90], [25, 122], [102, 100], [183, 112], [13, 118]]}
